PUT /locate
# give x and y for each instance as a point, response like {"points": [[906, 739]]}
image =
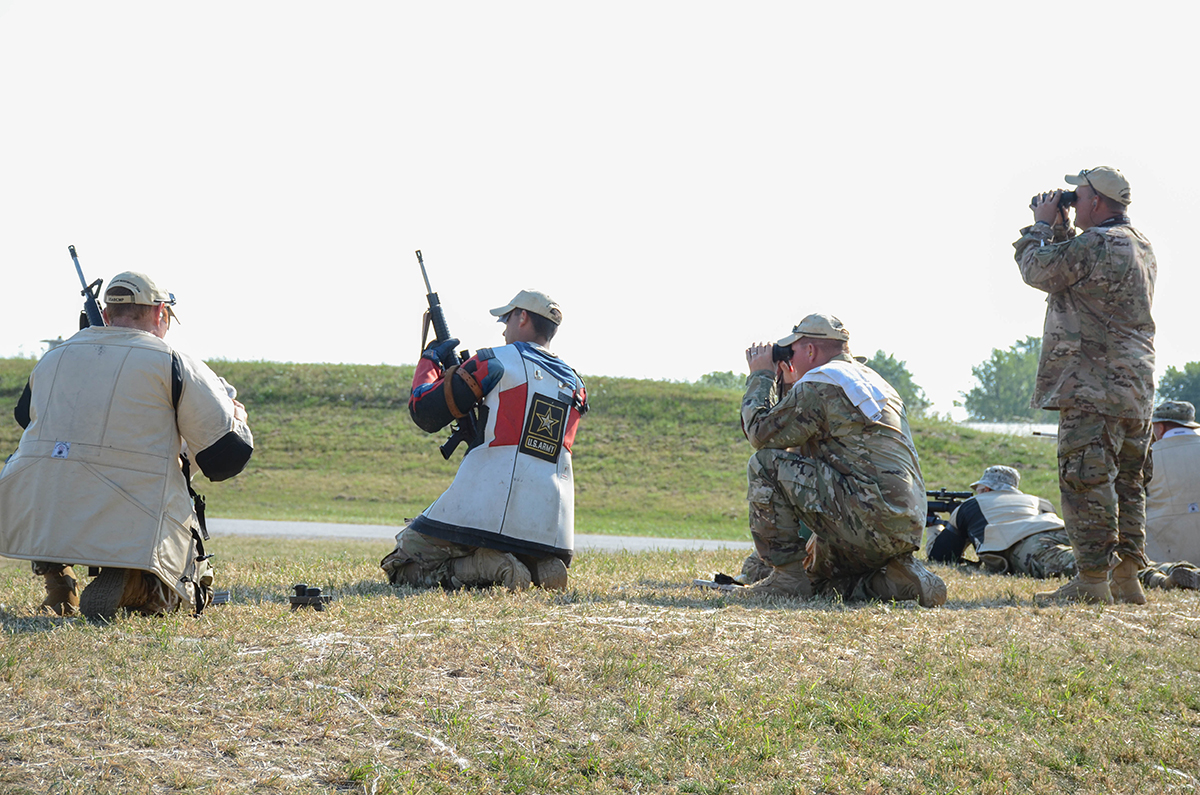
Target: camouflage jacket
{"points": [[817, 420], [1098, 341]]}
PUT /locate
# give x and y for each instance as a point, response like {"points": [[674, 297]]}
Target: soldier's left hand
{"points": [[758, 357], [1045, 208]]}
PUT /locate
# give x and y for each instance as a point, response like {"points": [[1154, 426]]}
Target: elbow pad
{"points": [[458, 393], [228, 455]]}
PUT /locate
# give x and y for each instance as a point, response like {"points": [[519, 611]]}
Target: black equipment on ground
{"points": [[464, 428], [90, 316], [307, 596]]}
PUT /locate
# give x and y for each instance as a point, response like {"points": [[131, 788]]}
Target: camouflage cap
{"points": [[1105, 180], [143, 291], [1179, 412], [532, 301], [817, 326], [999, 478]]}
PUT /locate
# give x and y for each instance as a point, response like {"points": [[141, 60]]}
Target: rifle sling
{"points": [[467, 379]]}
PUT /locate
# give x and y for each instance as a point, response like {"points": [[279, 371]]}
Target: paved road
{"points": [[370, 532]]}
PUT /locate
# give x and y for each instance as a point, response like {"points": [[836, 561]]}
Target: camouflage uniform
{"points": [[1096, 369], [1050, 555], [821, 465]]}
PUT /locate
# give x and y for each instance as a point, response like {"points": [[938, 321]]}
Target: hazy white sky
{"points": [[683, 177]]}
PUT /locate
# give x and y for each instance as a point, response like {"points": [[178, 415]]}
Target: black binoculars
{"points": [[781, 353], [1065, 199]]}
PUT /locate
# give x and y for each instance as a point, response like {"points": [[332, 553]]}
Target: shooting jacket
{"points": [[1173, 500], [514, 491], [96, 479], [995, 520]]}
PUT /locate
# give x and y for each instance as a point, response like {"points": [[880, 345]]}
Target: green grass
{"points": [[335, 443]]}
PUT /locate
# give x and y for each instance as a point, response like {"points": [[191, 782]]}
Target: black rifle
{"points": [[464, 427], [90, 316], [943, 501]]}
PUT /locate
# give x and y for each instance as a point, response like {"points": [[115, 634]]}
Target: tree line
{"points": [[1004, 384]]}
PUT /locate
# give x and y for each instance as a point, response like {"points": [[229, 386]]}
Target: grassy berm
{"points": [[631, 681], [335, 443]]}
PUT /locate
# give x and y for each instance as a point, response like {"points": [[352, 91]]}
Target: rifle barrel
{"points": [[424, 275]]}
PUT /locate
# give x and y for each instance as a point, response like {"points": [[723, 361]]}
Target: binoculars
{"points": [[781, 353], [1065, 199]]}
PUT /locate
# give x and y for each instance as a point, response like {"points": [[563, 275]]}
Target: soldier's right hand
{"points": [[441, 352]]}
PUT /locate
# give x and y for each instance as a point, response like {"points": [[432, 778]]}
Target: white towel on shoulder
{"points": [[866, 389]]}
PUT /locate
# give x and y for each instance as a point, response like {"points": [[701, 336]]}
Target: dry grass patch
{"points": [[632, 681]]}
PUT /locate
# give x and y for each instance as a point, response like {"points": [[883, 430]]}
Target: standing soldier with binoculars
{"points": [[1097, 371]]}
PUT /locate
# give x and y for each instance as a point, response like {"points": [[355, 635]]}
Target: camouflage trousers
{"points": [[1049, 554], [1158, 575], [801, 509], [1041, 555], [1102, 470], [422, 561]]}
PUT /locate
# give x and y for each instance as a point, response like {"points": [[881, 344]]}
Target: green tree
{"points": [[1006, 384], [725, 380], [1181, 384], [896, 373]]}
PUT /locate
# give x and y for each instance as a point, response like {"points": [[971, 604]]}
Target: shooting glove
{"points": [[442, 352]]}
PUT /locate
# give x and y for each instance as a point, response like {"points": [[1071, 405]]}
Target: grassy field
{"points": [[335, 443], [629, 682]]}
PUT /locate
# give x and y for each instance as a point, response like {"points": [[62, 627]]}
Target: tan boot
{"points": [[905, 579], [1090, 587], [549, 573], [490, 567], [62, 592], [1125, 586], [790, 579], [111, 590]]}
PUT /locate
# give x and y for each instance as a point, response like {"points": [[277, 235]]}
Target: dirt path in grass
{"points": [[323, 530]]}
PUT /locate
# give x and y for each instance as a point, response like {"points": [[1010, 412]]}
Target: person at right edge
{"points": [[1097, 371], [835, 457]]}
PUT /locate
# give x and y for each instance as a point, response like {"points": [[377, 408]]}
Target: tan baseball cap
{"points": [[1179, 412], [144, 290], [817, 326], [532, 301], [1105, 180]]}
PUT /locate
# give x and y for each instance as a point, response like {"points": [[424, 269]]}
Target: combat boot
{"points": [[790, 579], [1125, 585], [549, 573], [1185, 578], [62, 592], [1090, 587], [111, 590], [905, 579], [490, 567]]}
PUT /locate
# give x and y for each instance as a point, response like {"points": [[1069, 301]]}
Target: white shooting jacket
{"points": [[96, 479]]}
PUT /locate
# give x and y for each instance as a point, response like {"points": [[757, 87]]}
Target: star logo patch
{"points": [[544, 428]]}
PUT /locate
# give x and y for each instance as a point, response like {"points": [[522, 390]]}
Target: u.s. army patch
{"points": [[544, 428]]}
